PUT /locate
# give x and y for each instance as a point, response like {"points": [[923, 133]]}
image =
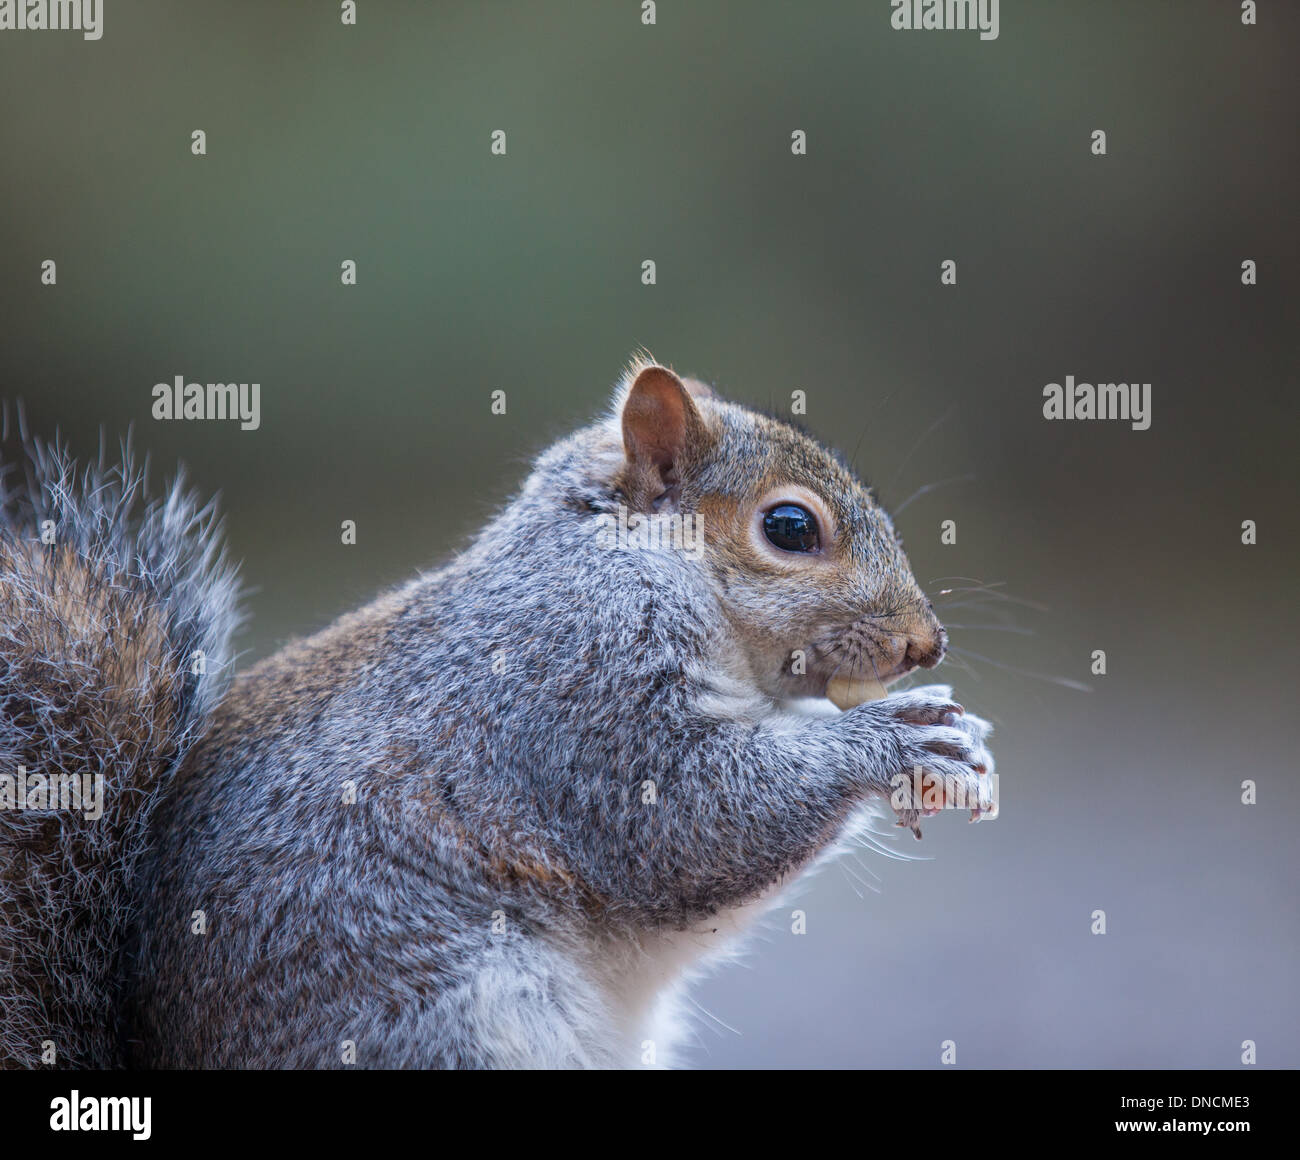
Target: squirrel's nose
{"points": [[927, 651], [897, 656]]}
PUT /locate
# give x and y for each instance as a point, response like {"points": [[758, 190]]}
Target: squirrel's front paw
{"points": [[942, 759]]}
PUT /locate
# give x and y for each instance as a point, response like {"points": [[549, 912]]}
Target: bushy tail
{"points": [[116, 613]]}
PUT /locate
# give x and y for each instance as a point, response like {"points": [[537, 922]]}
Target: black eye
{"points": [[791, 528]]}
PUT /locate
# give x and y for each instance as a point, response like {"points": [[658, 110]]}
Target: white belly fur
{"points": [[642, 984]]}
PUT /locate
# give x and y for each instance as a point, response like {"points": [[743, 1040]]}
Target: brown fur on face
{"points": [[852, 608]]}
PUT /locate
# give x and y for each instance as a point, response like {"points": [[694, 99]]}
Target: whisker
{"points": [[872, 414], [917, 445], [951, 658], [981, 589], [982, 605], [993, 628], [1064, 681], [929, 487]]}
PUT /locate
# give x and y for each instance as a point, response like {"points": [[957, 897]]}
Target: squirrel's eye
{"points": [[791, 528]]}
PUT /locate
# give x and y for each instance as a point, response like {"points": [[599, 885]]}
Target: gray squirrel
{"points": [[495, 817]]}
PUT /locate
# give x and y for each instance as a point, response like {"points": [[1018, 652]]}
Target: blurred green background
{"points": [[522, 273]]}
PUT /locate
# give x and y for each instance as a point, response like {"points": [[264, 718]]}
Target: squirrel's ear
{"points": [[661, 427]]}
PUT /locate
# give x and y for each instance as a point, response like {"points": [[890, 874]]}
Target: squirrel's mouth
{"points": [[849, 692], [850, 669]]}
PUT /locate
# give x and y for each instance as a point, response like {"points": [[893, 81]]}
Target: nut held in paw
{"points": [[845, 693]]}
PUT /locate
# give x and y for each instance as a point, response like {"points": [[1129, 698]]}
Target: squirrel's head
{"points": [[805, 563]]}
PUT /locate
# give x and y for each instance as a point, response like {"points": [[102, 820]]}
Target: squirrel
{"points": [[495, 818]]}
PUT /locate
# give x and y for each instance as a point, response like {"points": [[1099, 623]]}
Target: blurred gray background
{"points": [[775, 272]]}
